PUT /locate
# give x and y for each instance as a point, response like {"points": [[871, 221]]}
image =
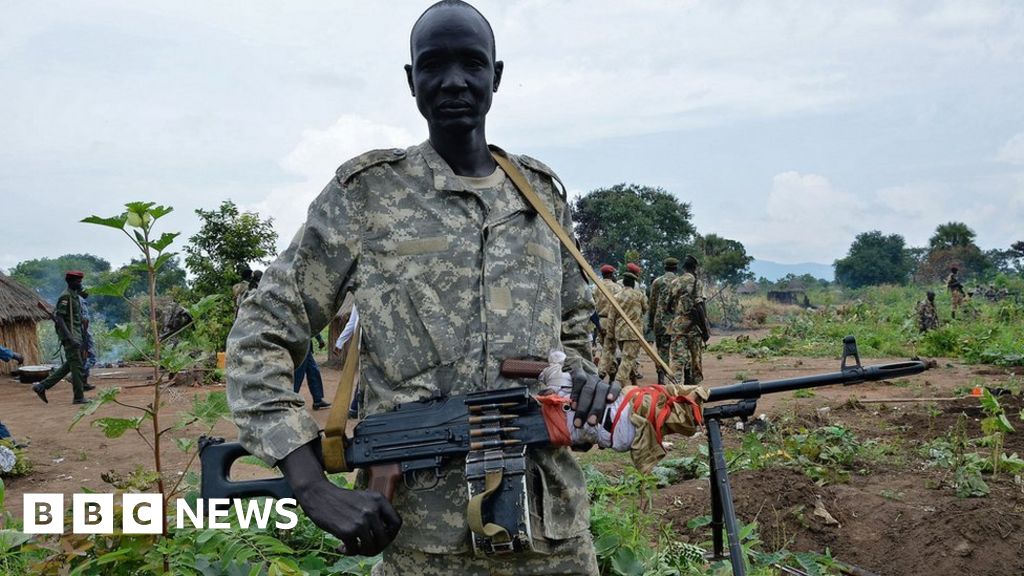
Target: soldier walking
{"points": [[606, 333], [658, 316], [686, 291], [634, 304], [67, 319]]}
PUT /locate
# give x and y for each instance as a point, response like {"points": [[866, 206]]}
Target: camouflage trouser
{"points": [[630, 352], [958, 301], [664, 344], [574, 557], [607, 365], [686, 358]]}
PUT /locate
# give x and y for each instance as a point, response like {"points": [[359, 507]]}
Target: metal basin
{"points": [[30, 374]]}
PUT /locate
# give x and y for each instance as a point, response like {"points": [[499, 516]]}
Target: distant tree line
{"points": [[875, 258]]}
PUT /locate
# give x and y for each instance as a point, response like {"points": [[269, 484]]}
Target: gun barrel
{"points": [[855, 375]]}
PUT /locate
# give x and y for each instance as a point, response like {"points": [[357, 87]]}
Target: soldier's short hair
{"points": [[454, 4]]}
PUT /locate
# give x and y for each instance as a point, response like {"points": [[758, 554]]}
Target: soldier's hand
{"points": [[590, 396], [363, 520]]}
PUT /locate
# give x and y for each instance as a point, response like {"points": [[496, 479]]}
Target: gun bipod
{"points": [[723, 511]]}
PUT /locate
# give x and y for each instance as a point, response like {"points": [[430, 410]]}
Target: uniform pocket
{"points": [[413, 334]]}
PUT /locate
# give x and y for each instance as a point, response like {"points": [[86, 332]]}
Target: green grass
{"points": [[882, 319]]}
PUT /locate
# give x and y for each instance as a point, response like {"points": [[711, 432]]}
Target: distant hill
{"points": [[773, 270]]}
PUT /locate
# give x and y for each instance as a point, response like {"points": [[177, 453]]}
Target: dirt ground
{"points": [[893, 521]]}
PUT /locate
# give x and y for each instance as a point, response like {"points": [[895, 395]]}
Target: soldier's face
{"points": [[453, 74]]}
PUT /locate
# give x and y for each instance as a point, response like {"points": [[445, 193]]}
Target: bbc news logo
{"points": [[144, 513]]}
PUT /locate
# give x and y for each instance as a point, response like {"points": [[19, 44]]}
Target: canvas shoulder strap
{"points": [[528, 192], [333, 442]]}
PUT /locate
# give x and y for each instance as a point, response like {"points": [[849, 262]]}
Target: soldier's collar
{"points": [[444, 177]]}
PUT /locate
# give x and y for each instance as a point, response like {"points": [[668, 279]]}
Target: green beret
{"points": [[670, 261], [629, 275]]}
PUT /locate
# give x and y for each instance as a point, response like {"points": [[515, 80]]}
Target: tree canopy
{"points": [[724, 260], [953, 245], [649, 220], [950, 235], [875, 258], [227, 240], [46, 275]]}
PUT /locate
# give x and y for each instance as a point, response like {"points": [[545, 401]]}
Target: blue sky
{"points": [[790, 126]]}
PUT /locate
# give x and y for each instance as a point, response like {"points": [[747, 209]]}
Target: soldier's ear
{"points": [[408, 78], [499, 67]]}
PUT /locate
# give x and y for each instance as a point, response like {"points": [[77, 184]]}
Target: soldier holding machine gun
{"points": [[452, 272]]}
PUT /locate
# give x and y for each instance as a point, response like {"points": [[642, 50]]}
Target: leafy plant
{"points": [[995, 426]]}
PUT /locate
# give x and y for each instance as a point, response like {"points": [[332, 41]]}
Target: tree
{"points": [[46, 275], [1009, 261], [953, 245], [651, 221], [874, 259], [227, 240], [724, 260], [950, 235]]}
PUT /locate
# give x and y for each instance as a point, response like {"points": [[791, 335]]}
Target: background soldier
{"points": [[658, 316], [956, 290], [634, 304], [440, 305], [606, 333], [927, 317], [67, 319], [685, 292]]}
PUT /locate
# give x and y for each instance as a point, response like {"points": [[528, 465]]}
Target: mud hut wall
{"points": [[21, 337]]}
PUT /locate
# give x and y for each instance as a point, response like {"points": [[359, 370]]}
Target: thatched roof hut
{"points": [[19, 313]]}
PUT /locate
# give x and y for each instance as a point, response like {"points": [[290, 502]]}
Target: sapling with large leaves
{"points": [[137, 223]]}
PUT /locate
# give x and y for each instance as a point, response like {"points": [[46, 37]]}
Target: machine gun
{"points": [[491, 430]]}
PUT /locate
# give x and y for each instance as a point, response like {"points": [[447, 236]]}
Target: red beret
{"points": [[607, 268], [74, 274], [633, 268]]}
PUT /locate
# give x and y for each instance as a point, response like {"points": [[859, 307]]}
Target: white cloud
{"points": [[314, 160], [805, 218], [1013, 151]]}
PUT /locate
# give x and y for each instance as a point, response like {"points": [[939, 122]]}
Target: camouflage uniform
{"points": [[449, 281], [658, 315], [605, 312], [927, 317], [956, 291], [684, 292], [69, 309], [634, 303]]}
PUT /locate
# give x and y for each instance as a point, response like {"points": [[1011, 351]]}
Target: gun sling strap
{"points": [[333, 441], [528, 192]]}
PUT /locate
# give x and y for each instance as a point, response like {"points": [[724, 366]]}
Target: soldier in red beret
{"points": [[67, 319]]}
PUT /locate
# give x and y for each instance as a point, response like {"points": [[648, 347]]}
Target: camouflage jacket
{"points": [[927, 317], [658, 315], [684, 291], [604, 308], [634, 303], [448, 282]]}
